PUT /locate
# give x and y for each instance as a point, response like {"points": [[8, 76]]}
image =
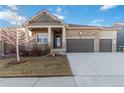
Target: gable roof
{"points": [[48, 13]]}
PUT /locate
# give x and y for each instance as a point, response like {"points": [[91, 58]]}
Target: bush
{"points": [[35, 51]]}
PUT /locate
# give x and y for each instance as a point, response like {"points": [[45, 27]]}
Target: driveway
{"points": [[97, 69]]}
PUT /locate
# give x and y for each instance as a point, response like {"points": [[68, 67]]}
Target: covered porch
{"points": [[55, 37]]}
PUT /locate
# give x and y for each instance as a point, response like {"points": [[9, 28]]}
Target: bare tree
{"points": [[15, 37]]}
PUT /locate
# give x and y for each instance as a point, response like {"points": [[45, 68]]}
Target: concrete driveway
{"points": [[97, 69]]}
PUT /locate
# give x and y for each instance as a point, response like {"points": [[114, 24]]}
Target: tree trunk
{"points": [[17, 48], [2, 48], [17, 53]]}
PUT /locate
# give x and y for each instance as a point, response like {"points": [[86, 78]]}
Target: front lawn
{"points": [[36, 66]]}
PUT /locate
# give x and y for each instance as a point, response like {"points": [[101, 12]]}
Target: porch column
{"points": [[26, 37], [49, 37], [63, 38]]}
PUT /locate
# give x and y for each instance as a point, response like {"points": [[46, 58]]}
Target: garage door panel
{"points": [[80, 45], [105, 45]]}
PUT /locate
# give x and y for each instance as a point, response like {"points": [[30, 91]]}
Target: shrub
{"points": [[35, 51]]}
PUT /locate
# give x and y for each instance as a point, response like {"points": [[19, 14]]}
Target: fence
{"points": [[120, 49]]}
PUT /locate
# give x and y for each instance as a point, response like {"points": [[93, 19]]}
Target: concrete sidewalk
{"points": [[38, 82]]}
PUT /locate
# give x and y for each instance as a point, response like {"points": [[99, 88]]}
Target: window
{"points": [[42, 37]]}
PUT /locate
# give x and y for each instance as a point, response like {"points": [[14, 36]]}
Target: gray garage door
{"points": [[80, 45], [105, 45]]}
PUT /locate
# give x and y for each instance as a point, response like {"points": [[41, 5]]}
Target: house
{"points": [[120, 36], [48, 30]]}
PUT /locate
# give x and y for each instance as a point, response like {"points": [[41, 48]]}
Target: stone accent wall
{"points": [[85, 33]]}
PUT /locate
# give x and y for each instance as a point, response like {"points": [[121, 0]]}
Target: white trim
{"points": [[80, 37], [106, 38], [42, 41], [44, 26]]}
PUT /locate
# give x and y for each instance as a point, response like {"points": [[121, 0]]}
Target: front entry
{"points": [[57, 38], [57, 41]]}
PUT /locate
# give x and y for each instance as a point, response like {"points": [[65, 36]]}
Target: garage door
{"points": [[105, 45], [80, 45]]}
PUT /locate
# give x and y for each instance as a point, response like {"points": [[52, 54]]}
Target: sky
{"points": [[98, 15]]}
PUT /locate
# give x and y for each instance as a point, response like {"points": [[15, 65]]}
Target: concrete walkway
{"points": [[97, 69]]}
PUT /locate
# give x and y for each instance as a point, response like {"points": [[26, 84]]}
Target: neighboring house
{"points": [[8, 48], [120, 35], [48, 30]]}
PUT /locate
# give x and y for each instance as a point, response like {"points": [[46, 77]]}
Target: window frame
{"points": [[42, 38]]}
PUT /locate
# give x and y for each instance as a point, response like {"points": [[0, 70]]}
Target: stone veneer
{"points": [[85, 34]]}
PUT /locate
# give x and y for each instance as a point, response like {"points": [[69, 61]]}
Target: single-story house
{"points": [[47, 29]]}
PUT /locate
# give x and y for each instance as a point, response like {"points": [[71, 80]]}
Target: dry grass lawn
{"points": [[35, 66]]}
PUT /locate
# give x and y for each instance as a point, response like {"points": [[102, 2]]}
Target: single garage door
{"points": [[105, 45], [80, 45]]}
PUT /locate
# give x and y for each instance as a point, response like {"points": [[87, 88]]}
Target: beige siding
{"points": [[35, 31], [109, 35]]}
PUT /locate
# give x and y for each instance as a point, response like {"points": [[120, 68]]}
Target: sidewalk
{"points": [[38, 82]]}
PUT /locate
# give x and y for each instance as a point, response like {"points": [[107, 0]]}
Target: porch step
{"points": [[58, 52]]}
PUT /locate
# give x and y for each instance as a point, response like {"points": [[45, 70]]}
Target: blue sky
{"points": [[100, 15]]}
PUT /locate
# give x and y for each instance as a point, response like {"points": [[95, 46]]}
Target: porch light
{"points": [[80, 33]]}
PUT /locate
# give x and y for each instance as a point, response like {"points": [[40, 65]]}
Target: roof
{"points": [[46, 11], [80, 27], [77, 25], [71, 26], [87, 27], [109, 28]]}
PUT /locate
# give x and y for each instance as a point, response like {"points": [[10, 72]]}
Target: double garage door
{"points": [[87, 45]]}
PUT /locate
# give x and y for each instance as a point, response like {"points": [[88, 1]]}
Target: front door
{"points": [[58, 40]]}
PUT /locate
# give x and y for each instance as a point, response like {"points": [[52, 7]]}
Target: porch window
{"points": [[42, 37]]}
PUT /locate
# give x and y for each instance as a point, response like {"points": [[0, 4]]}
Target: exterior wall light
{"points": [[80, 33]]}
